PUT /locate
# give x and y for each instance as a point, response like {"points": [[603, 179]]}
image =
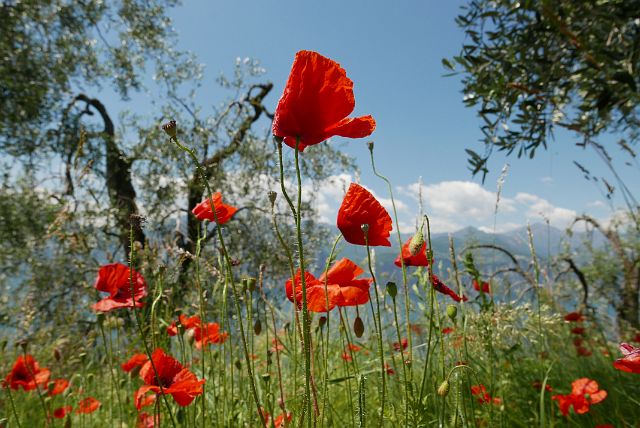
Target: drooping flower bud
{"points": [[322, 321], [443, 389], [416, 243], [257, 327], [171, 129], [370, 145], [272, 197], [358, 327]]}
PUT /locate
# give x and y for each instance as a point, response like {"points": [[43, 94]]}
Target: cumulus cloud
{"points": [[540, 209]]}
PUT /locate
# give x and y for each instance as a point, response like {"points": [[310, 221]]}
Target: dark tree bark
{"points": [[196, 187], [122, 195]]}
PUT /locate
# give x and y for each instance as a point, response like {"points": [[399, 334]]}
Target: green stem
{"points": [[203, 322], [13, 406], [47, 416], [229, 277]]}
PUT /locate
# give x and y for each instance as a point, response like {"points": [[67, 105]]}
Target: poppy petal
{"points": [[361, 207]]}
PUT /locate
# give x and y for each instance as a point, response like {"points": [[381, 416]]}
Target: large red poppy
{"points": [[176, 380], [209, 334], [630, 362], [343, 288], [359, 207], [441, 288], [114, 279], [315, 104], [27, 373], [420, 259], [584, 393], [224, 212], [137, 360], [88, 405]]}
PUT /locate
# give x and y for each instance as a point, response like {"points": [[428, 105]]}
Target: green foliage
{"points": [[532, 66]]}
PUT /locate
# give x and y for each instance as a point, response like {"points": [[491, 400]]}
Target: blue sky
{"points": [[392, 51]]}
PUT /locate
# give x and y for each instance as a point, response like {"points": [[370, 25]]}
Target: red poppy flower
{"points": [[26, 373], [176, 380], [584, 393], [137, 360], [636, 338], [114, 279], [630, 362], [583, 352], [538, 385], [403, 344], [447, 330], [342, 288], [577, 342], [347, 357], [578, 330], [224, 212], [61, 412], [353, 347], [186, 322], [315, 104], [360, 207], [277, 345], [211, 334], [59, 386], [278, 422], [483, 395], [485, 286], [88, 405], [390, 371], [148, 400], [574, 317], [441, 288], [420, 259], [146, 420]]}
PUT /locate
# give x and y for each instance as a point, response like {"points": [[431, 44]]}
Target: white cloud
{"points": [[538, 208]]}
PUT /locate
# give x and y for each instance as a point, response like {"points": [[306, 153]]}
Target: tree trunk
{"points": [[122, 195]]}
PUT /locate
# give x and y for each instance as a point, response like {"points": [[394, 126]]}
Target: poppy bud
{"points": [[57, 354], [416, 243], [370, 145], [251, 284], [170, 128], [443, 389], [272, 197], [266, 377], [358, 327], [23, 344], [238, 364], [452, 312], [322, 321], [100, 318], [392, 289], [279, 140], [245, 284], [257, 327]]}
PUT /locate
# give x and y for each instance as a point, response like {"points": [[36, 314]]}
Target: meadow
{"points": [[331, 347]]}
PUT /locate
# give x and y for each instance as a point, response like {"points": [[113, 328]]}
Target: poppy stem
{"points": [[203, 322], [229, 279], [376, 316], [13, 406], [143, 337], [306, 325], [47, 416], [407, 306]]}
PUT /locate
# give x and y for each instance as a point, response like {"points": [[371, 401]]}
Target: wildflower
{"points": [[186, 322], [538, 385], [403, 344], [58, 387], [277, 345], [390, 371], [26, 373], [583, 352], [224, 212], [359, 208], [342, 288], [146, 420], [176, 380], [137, 360], [441, 288], [447, 330], [88, 405], [278, 422], [484, 288], [61, 412], [578, 330], [410, 259], [483, 396], [315, 104], [630, 362], [115, 279], [584, 393], [574, 317], [353, 347], [211, 334], [347, 357]]}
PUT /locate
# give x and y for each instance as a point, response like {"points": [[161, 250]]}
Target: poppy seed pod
{"points": [[452, 312], [251, 284], [257, 327], [272, 197], [322, 321], [171, 129], [370, 145], [392, 289], [416, 243], [443, 389]]}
